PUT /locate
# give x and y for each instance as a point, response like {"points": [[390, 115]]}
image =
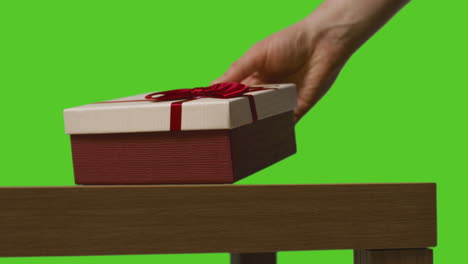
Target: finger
{"points": [[238, 71], [302, 107], [242, 68], [253, 79]]}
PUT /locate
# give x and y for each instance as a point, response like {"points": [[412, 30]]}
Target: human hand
{"points": [[294, 55], [312, 52]]}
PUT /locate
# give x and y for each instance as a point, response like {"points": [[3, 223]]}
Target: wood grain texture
{"points": [[253, 258], [183, 157], [394, 256], [103, 220]]}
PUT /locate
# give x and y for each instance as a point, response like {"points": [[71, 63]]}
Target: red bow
{"points": [[220, 90]]}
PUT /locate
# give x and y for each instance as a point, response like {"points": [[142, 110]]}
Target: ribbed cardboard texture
{"points": [[183, 157]]}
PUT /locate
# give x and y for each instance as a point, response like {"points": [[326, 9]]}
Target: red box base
{"points": [[185, 157]]}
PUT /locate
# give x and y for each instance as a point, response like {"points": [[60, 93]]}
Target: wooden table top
{"points": [[105, 220]]}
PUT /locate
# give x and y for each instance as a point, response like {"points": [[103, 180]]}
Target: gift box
{"points": [[216, 134]]}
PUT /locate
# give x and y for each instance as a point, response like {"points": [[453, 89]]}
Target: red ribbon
{"points": [[220, 90]]}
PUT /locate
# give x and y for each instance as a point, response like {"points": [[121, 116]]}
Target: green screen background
{"points": [[397, 112]]}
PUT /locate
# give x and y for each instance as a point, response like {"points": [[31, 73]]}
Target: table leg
{"points": [[253, 258]]}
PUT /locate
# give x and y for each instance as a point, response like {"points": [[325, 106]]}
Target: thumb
{"points": [[240, 69]]}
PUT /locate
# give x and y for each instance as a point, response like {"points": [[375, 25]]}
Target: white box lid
{"points": [[116, 116]]}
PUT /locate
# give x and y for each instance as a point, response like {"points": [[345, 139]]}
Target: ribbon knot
{"points": [[199, 92]]}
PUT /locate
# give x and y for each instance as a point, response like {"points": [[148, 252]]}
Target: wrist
{"points": [[335, 24], [350, 23]]}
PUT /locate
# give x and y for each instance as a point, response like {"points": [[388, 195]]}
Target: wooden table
{"points": [[383, 223]]}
